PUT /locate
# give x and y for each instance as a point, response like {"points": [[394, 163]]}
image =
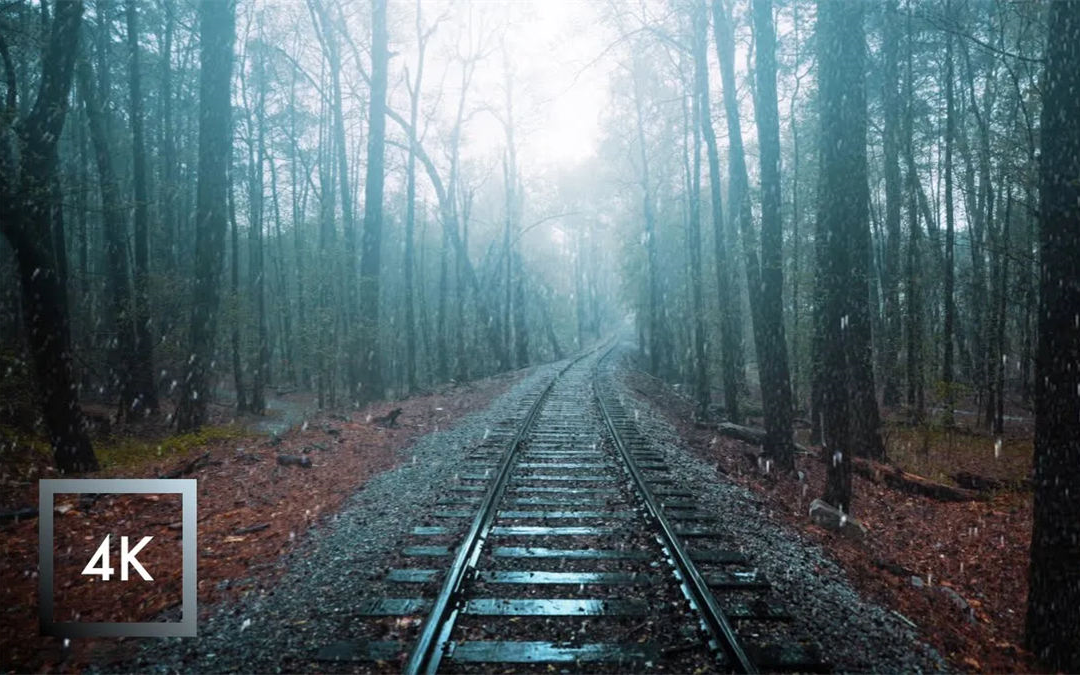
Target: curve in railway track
{"points": [[564, 542]]}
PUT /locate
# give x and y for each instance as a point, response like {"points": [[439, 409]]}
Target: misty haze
{"points": [[540, 335]]}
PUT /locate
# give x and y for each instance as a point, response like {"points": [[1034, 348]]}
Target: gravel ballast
{"points": [[343, 561], [855, 635]]}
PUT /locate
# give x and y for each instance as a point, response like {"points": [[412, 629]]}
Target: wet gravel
{"points": [[855, 635], [345, 560], [280, 628]]}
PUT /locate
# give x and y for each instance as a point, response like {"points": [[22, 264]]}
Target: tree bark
{"points": [[772, 354], [24, 221], [729, 339], [143, 389], [913, 290], [216, 29], [890, 341], [1053, 611], [842, 209], [950, 236], [115, 238], [370, 371]]}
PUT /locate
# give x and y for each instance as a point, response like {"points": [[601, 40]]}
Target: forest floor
{"points": [[956, 570], [252, 511]]}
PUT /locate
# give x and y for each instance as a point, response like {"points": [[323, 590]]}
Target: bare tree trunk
{"points": [[890, 341], [23, 221], [115, 236], [242, 402], [216, 28], [371, 374], [950, 282], [772, 354], [915, 391], [841, 209], [1054, 579]]}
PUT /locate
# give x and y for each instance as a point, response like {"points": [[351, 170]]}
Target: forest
{"points": [[853, 225]]}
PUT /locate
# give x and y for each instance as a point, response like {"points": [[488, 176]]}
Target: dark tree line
{"points": [[940, 269], [243, 201]]}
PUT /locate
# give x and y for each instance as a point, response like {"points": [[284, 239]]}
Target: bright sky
{"points": [[559, 89]]}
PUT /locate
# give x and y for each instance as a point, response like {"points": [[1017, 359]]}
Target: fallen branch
{"points": [[19, 514], [388, 420], [893, 568], [252, 528], [877, 472], [901, 480], [973, 481], [191, 467], [292, 460]]}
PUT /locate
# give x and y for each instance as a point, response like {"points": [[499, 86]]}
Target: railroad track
{"points": [[563, 541]]}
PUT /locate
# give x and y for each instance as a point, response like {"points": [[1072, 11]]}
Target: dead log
{"points": [[19, 514], [388, 420], [899, 479], [877, 472], [745, 434], [293, 460], [252, 528], [192, 466], [893, 568], [972, 481]]}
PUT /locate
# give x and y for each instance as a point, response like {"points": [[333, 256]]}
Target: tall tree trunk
{"points": [[216, 29], [143, 389], [23, 220], [371, 374], [1053, 611], [115, 238], [288, 348], [950, 236], [739, 190], [260, 371], [167, 183], [913, 290], [657, 359], [1002, 315], [521, 325], [729, 338], [699, 374], [772, 349], [410, 206], [243, 403], [442, 357], [842, 209], [890, 341]]}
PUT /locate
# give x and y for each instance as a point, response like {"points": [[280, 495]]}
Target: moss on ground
{"points": [[126, 452]]}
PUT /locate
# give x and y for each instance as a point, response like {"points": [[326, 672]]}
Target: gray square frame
{"points": [[48, 488]]}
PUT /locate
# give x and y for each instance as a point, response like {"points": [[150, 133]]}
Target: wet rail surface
{"points": [[563, 542]]}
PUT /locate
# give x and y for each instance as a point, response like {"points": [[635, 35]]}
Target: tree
{"points": [[693, 231], [728, 338], [143, 390], [950, 235], [890, 48], [842, 208], [371, 373], [1053, 612], [24, 221], [217, 19], [115, 238], [772, 347]]}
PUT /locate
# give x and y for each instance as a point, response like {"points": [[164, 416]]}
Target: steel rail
{"points": [[712, 615], [430, 646]]}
